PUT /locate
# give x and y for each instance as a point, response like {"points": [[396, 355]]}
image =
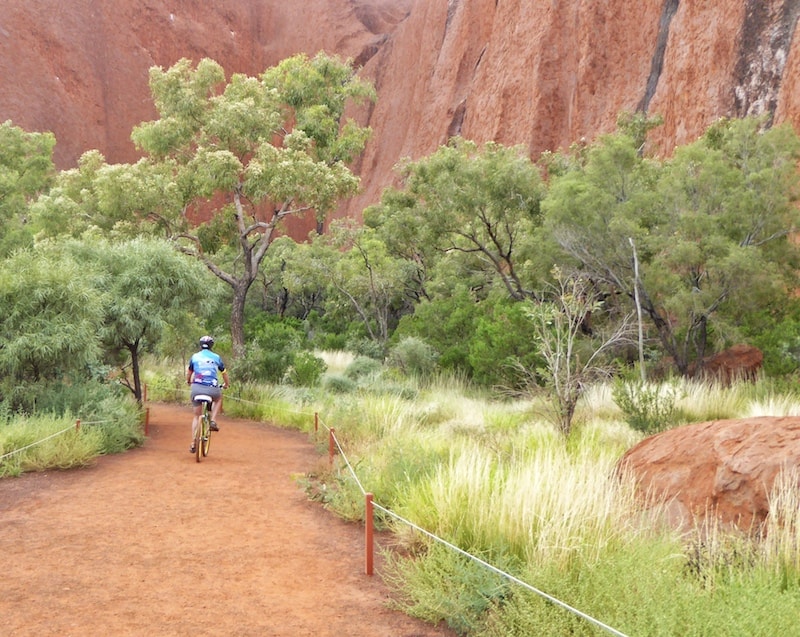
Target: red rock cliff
{"points": [[533, 72]]}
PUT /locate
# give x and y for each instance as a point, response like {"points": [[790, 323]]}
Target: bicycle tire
{"points": [[198, 444], [206, 437]]}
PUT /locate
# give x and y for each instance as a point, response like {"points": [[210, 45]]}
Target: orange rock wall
{"points": [[539, 73]]}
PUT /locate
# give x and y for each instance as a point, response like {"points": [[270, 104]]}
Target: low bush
{"points": [[648, 408]]}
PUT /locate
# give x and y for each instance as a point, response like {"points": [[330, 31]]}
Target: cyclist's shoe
{"points": [[192, 449], [214, 426]]}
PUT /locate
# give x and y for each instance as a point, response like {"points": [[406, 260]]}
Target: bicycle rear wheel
{"points": [[206, 435], [198, 443]]}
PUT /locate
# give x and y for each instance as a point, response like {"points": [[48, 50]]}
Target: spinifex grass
{"points": [[543, 505], [781, 547]]}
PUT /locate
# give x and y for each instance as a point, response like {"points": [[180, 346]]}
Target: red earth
{"points": [[150, 542]]}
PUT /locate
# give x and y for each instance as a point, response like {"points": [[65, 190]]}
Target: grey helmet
{"points": [[206, 342]]}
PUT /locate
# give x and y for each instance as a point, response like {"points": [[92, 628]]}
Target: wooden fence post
{"points": [[369, 549]]}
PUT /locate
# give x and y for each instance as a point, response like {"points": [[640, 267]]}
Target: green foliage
{"points": [[413, 357], [46, 443], [476, 206], [647, 407], [502, 342], [445, 588], [26, 170], [711, 226], [448, 325], [776, 332], [271, 352], [51, 311], [363, 367], [306, 370], [339, 384], [110, 423], [269, 147], [365, 347], [148, 286]]}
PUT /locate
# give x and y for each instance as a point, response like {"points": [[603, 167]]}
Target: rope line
{"points": [[474, 558], [58, 433], [252, 402], [502, 573], [347, 463], [33, 444]]}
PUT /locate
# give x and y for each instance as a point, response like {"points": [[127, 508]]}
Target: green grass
{"points": [[47, 442]]}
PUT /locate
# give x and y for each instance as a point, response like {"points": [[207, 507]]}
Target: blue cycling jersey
{"points": [[205, 364]]}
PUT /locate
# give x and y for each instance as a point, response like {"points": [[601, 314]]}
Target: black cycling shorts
{"points": [[208, 390]]}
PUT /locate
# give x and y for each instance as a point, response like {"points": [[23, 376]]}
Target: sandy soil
{"points": [[152, 543]]}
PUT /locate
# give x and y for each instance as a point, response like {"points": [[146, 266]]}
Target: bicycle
{"points": [[202, 437]]}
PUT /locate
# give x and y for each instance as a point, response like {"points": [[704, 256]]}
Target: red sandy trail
{"points": [[152, 543]]}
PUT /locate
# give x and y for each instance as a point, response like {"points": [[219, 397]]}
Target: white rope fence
{"points": [[494, 569], [78, 424], [38, 442]]}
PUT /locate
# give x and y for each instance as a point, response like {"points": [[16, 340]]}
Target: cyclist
{"points": [[203, 377]]}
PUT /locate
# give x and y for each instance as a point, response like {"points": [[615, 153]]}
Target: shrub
{"points": [[648, 408], [363, 367], [413, 357], [270, 354], [447, 324], [306, 370], [338, 384], [502, 345]]}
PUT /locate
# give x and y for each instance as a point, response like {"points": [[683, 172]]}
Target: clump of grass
{"points": [[781, 547], [647, 407], [704, 401], [47, 442], [337, 361], [772, 405]]}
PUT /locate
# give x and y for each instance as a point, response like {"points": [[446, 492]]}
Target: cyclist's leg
{"points": [[197, 410], [216, 402], [215, 407]]}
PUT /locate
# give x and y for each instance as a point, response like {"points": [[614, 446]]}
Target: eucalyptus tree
{"points": [[478, 205], [26, 170], [712, 229], [225, 163]]}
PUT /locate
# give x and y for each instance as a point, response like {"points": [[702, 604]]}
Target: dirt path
{"points": [[130, 547]]}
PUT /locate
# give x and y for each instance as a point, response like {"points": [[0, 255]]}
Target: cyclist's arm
{"points": [[225, 382]]}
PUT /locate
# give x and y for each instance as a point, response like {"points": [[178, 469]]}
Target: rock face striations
{"points": [[532, 72]]}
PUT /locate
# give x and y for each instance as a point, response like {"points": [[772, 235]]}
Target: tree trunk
{"points": [[237, 316], [133, 348]]}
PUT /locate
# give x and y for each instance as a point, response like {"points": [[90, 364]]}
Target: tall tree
{"points": [[239, 157], [355, 266], [476, 204]]}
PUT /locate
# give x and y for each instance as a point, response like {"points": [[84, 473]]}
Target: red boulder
{"points": [[724, 468]]}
